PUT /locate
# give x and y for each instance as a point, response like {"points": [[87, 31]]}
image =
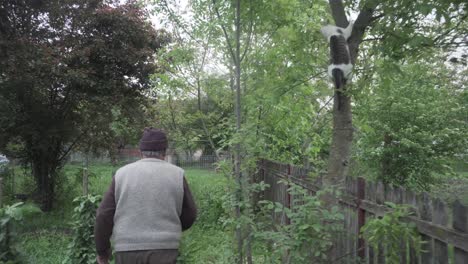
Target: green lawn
{"points": [[44, 238]]}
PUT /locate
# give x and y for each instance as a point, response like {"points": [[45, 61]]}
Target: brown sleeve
{"points": [[189, 209], [105, 221]]}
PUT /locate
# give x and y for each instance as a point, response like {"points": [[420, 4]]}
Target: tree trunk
{"points": [[386, 158], [237, 152], [342, 137], [44, 174], [45, 159]]}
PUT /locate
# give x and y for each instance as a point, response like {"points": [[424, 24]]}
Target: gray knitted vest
{"points": [[148, 197]]}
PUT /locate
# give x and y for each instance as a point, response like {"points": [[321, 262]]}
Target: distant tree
{"points": [[65, 68]]}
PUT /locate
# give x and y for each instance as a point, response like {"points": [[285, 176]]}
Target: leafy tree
{"points": [[398, 27], [9, 217], [65, 67], [412, 127]]}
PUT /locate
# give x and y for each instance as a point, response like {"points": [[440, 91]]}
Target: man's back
{"points": [[145, 209], [148, 196]]}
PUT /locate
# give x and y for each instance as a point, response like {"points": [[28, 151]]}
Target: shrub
{"points": [[81, 249], [7, 175], [391, 232], [310, 231], [9, 216]]}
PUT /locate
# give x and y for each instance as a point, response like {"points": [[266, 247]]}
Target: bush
{"points": [[391, 232], [9, 216], [309, 234], [7, 174], [81, 249]]}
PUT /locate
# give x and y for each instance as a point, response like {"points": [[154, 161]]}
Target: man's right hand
{"points": [[102, 260]]}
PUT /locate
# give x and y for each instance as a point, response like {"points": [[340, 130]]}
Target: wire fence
{"points": [[87, 172], [81, 175]]}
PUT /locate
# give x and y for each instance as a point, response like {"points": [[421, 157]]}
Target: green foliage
{"points": [[413, 126], [206, 244], [207, 241], [282, 88], [309, 233], [81, 249], [9, 216], [391, 231], [44, 247], [69, 71], [304, 238], [210, 206], [7, 174]]}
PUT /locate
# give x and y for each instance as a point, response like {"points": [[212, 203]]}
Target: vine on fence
{"points": [[391, 232], [81, 249]]}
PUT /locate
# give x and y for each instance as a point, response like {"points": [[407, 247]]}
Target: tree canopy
{"points": [[64, 68]]}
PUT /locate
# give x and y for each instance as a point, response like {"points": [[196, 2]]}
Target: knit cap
{"points": [[153, 140]]}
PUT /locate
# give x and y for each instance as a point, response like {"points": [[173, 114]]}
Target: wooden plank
{"points": [[370, 196], [361, 216], [388, 193], [1, 191], [397, 198], [440, 217], [381, 254], [460, 223], [425, 211], [353, 221], [409, 198], [370, 250], [349, 221], [85, 181], [380, 193]]}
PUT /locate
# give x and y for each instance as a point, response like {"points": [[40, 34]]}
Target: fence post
{"points": [[288, 221], [85, 177], [1, 191], [409, 197], [460, 223], [440, 217], [425, 212], [361, 194], [85, 181]]}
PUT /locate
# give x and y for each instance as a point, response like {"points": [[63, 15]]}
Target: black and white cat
{"points": [[340, 67]]}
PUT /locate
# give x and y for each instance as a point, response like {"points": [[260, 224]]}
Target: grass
{"points": [[45, 237], [44, 247]]}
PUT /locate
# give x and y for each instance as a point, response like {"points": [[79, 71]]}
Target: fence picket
{"points": [[410, 198], [380, 199], [370, 196], [440, 218], [1, 191], [460, 223], [425, 211]]}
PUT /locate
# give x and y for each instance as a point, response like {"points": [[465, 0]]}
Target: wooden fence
{"points": [[443, 227]]}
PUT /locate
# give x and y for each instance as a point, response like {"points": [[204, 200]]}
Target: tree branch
{"points": [[338, 13], [249, 38], [363, 20], [226, 36]]}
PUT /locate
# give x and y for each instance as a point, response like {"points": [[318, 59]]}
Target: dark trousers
{"points": [[157, 256]]}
